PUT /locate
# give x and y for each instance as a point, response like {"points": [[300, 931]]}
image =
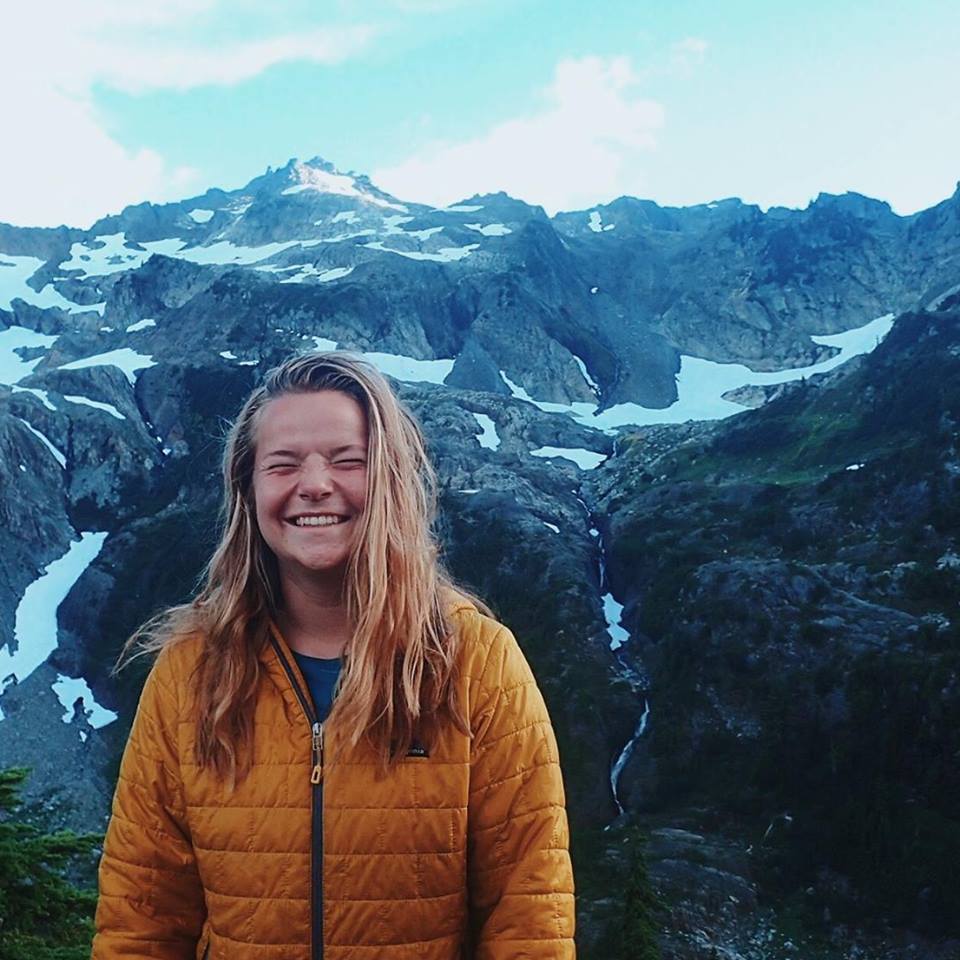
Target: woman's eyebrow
{"points": [[336, 451]]}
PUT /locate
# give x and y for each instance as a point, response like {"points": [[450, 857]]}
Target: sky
{"points": [[558, 102]]}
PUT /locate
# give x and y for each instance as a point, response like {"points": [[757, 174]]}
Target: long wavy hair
{"points": [[398, 681]]}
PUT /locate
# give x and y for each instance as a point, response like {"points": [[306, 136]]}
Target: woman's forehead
{"points": [[322, 418]]}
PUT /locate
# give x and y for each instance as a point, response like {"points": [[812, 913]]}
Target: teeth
{"points": [[317, 521]]}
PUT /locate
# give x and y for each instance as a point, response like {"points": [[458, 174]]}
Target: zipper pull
{"points": [[317, 746]]}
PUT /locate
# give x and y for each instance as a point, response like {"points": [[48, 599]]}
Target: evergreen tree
{"points": [[642, 907], [43, 916]]}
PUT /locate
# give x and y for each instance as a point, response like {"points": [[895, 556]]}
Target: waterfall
{"points": [[626, 753], [612, 612]]}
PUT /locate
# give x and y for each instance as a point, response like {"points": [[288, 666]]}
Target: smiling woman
{"points": [[336, 750]]}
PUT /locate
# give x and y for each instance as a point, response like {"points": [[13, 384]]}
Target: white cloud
{"points": [[66, 166], [181, 69], [690, 48], [585, 145]]}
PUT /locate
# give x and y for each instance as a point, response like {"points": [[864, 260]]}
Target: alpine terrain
{"points": [[704, 461]]}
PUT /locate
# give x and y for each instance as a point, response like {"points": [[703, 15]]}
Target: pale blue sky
{"points": [[556, 101]]}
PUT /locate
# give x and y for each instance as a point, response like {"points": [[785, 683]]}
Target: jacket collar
{"points": [[454, 603], [275, 671]]}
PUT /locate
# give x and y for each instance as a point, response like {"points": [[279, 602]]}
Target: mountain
{"points": [[679, 569]]}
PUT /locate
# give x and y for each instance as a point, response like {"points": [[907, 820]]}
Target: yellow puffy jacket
{"points": [[462, 853]]}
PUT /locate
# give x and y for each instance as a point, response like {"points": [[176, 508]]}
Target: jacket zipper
{"points": [[316, 831]]}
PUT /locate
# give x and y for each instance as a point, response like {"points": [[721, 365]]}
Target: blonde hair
{"points": [[398, 678]]}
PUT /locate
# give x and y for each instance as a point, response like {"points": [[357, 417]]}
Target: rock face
{"points": [[774, 568], [790, 584]]}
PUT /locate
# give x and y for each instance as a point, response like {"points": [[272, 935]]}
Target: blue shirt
{"points": [[321, 676]]}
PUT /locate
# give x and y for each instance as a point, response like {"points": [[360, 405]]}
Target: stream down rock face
{"points": [[788, 576]]}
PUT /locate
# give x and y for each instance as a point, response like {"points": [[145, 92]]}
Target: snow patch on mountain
{"points": [[584, 459], [702, 383], [41, 395], [129, 361], [398, 366], [310, 177], [394, 224], [596, 224], [859, 340], [225, 253], [459, 208], [594, 386], [58, 454], [488, 437], [141, 325], [409, 368], [71, 689], [424, 234], [112, 254], [307, 270], [489, 229], [35, 623], [103, 255], [339, 238], [14, 273], [444, 255], [13, 368], [97, 405]]}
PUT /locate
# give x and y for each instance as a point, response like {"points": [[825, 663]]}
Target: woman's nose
{"points": [[315, 479]]}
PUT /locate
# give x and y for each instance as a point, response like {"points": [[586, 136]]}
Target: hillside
{"points": [[791, 585]]}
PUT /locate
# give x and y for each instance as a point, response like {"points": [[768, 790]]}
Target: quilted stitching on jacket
{"points": [[462, 853]]}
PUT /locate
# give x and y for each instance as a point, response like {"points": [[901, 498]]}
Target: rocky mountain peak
{"points": [[319, 177], [852, 203], [502, 206]]}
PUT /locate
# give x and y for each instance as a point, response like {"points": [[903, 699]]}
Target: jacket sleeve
{"points": [[520, 877], [151, 900]]}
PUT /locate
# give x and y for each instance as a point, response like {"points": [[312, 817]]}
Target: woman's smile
{"points": [[317, 520]]}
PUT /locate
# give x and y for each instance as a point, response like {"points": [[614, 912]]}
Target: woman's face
{"points": [[310, 482]]}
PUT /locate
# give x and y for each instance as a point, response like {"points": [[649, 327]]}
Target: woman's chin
{"points": [[320, 567]]}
